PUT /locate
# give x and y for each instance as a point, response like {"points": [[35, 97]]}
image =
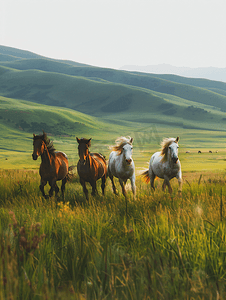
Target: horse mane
{"points": [[46, 140], [164, 147], [120, 143]]}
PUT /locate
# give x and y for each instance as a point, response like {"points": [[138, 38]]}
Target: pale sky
{"points": [[113, 33]]}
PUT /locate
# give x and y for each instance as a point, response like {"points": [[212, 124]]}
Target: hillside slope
{"points": [[18, 117], [107, 100], [200, 90], [112, 94]]}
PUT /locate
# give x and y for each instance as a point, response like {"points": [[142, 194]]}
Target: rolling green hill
{"points": [[66, 99], [19, 119], [117, 101], [197, 90], [20, 115]]}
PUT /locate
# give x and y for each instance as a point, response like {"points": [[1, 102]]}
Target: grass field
{"points": [[163, 247], [160, 247]]}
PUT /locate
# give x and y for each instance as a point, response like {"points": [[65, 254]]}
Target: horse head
{"points": [[127, 151], [83, 148], [39, 146], [173, 150]]}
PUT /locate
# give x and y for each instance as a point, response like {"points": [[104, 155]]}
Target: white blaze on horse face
{"points": [[127, 152], [173, 148]]}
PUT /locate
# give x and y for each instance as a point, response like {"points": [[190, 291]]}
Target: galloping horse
{"points": [[54, 164], [165, 164], [121, 164], [91, 166]]}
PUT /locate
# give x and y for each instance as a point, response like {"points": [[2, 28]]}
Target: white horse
{"points": [[121, 164], [165, 164]]}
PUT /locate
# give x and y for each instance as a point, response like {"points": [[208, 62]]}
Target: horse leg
{"points": [[170, 188], [152, 179], [133, 186], [103, 179], [63, 186], [94, 187], [167, 182], [113, 184], [180, 182], [56, 190], [83, 183], [53, 187], [164, 185], [41, 187], [122, 183]]}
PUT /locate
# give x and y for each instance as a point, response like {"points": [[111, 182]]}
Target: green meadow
{"points": [[159, 246]]}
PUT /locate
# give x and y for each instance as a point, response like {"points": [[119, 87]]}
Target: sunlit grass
{"points": [[162, 247]]}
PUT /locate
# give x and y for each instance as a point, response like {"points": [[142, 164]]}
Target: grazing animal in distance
{"points": [[121, 164], [165, 164], [199, 151], [54, 164], [90, 167]]}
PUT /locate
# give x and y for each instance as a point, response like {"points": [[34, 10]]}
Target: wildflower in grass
{"points": [[65, 212]]}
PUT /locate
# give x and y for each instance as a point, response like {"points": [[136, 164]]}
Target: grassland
{"points": [[165, 247]]}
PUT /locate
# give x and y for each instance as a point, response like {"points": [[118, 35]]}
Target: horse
{"points": [[54, 164], [165, 164], [121, 164], [90, 167]]}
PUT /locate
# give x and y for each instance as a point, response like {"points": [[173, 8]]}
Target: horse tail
{"points": [[145, 176]]}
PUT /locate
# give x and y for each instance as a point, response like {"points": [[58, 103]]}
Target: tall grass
{"points": [[162, 247]]}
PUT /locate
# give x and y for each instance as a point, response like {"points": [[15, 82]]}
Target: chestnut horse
{"points": [[54, 164], [91, 167]]}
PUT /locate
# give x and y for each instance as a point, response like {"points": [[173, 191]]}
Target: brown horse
{"points": [[54, 164], [91, 167]]}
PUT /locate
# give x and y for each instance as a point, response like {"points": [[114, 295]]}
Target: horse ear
{"points": [[33, 135], [78, 140], [89, 142], [131, 140], [177, 139]]}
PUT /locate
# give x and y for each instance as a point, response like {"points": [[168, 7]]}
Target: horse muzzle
{"points": [[34, 156], [128, 161], [175, 159], [82, 162]]}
